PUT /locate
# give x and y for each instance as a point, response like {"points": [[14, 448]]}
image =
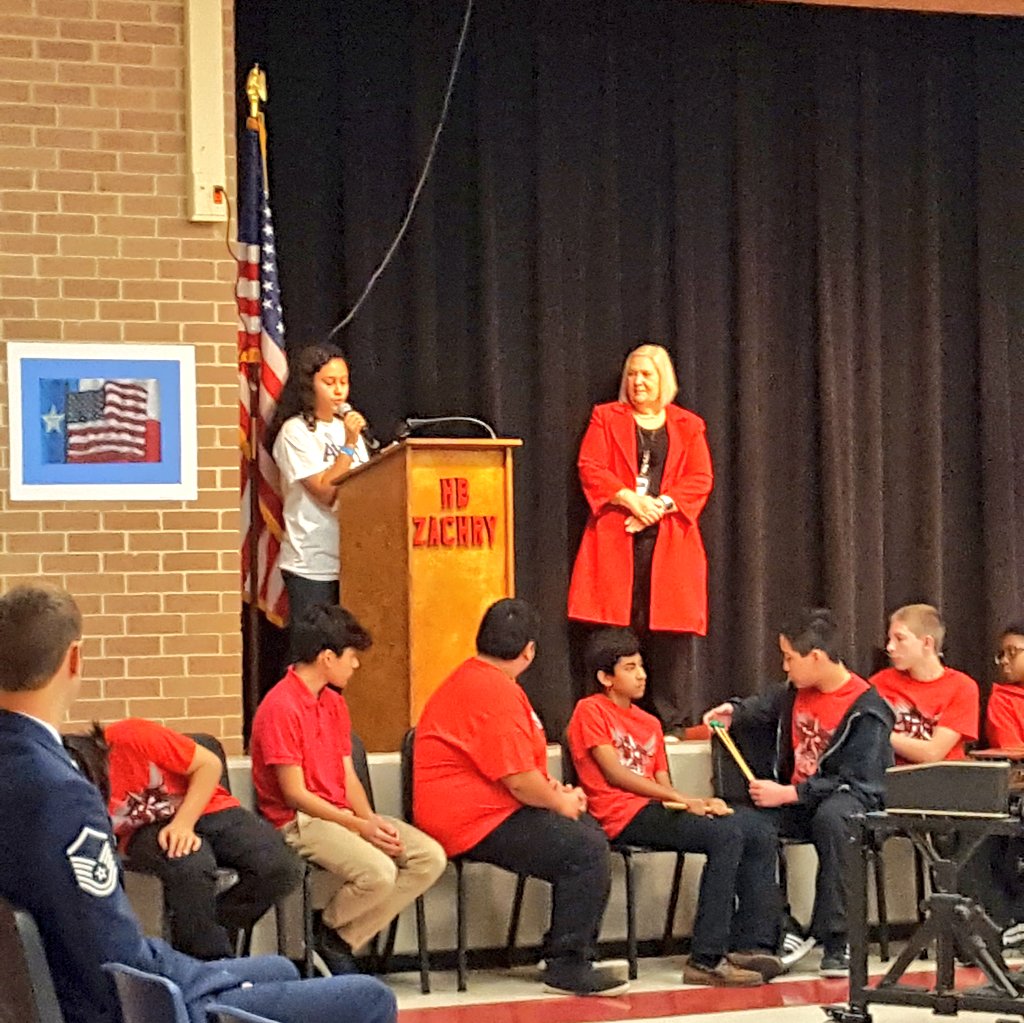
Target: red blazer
{"points": [[601, 589]]}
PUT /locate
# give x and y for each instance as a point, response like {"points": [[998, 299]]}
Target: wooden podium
{"points": [[427, 544]]}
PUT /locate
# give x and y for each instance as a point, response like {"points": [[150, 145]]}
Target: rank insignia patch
{"points": [[92, 861]]}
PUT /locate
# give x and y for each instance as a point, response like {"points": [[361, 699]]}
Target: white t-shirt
{"points": [[310, 547]]}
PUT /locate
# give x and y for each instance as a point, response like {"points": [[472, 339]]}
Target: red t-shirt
{"points": [[949, 701], [476, 729], [638, 741], [1004, 721], [293, 727], [149, 775], [816, 715]]}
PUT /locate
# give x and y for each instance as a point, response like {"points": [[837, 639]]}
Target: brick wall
{"points": [[95, 246]]}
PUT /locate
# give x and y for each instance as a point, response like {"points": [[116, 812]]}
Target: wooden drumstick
{"points": [[726, 739]]}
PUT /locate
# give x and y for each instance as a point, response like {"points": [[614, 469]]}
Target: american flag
{"points": [[108, 422], [260, 342]]}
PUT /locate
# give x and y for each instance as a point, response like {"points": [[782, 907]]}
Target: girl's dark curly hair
{"points": [[90, 752], [297, 393]]}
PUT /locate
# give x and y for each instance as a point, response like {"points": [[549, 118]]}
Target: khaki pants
{"points": [[372, 889]]}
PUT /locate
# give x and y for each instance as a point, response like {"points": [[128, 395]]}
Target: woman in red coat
{"points": [[645, 469]]}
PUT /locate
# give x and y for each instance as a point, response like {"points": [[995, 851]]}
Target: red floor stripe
{"points": [[652, 1004]]}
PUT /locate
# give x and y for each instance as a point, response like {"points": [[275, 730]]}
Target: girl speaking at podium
{"points": [[316, 437]]}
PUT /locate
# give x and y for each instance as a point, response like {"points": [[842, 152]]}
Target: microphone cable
{"points": [[424, 174]]}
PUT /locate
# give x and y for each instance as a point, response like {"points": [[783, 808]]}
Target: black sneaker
{"points": [[582, 980], [835, 962], [335, 952], [793, 947]]}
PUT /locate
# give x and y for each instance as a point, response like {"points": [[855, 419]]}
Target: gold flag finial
{"points": [[256, 90]]}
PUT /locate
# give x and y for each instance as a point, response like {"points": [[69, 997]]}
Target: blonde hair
{"points": [[922, 620], [668, 388]]}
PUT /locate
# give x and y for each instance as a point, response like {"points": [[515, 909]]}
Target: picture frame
{"points": [[102, 422]]}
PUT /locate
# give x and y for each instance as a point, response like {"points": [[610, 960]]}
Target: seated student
{"points": [[307, 786], [481, 787], [936, 707], [832, 752], [619, 754], [57, 857], [173, 818], [1004, 719]]}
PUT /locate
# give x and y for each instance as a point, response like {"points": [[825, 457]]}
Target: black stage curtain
{"points": [[819, 212]]}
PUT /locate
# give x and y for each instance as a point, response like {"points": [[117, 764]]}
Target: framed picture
{"points": [[102, 422]]}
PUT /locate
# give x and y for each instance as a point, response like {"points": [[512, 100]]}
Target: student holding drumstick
{"points": [[832, 750]]}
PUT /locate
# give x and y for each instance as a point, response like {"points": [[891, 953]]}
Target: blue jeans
{"points": [[349, 999]]}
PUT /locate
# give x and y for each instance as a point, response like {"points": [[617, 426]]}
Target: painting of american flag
{"points": [[102, 422], [261, 360], [105, 421]]}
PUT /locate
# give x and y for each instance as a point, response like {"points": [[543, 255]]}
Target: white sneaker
{"points": [[1013, 936], [794, 948]]}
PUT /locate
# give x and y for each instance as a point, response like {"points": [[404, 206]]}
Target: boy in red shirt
{"points": [[1004, 720], [173, 818], [481, 787], [936, 707], [832, 751], [619, 754], [307, 786]]}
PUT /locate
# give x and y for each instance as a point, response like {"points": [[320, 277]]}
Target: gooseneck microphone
{"points": [[372, 444], [411, 425]]}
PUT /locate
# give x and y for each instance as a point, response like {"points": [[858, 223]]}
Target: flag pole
{"points": [[256, 93]]}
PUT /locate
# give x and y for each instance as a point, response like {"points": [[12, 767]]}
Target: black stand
{"points": [[954, 924]]}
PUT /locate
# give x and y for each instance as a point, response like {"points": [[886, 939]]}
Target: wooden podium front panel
{"points": [[461, 540], [375, 588]]}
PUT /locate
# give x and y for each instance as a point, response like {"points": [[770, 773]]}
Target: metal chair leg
{"points": [[668, 937], [881, 902], [631, 951], [460, 913], [421, 942], [513, 922]]}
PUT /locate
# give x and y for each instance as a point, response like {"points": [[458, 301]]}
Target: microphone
{"points": [[372, 444], [411, 424]]}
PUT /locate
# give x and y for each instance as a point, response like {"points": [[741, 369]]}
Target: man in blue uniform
{"points": [[57, 853]]}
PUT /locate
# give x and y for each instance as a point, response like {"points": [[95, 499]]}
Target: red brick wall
{"points": [[95, 246]]}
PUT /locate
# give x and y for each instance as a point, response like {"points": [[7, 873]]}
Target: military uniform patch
{"points": [[92, 861]]}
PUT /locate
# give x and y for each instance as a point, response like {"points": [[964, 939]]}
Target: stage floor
{"points": [[502, 996]]}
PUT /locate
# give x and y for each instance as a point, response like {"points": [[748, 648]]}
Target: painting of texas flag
{"points": [[95, 422]]}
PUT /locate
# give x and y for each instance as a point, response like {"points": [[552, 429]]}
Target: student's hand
{"points": [[382, 835], [766, 793], [178, 840], [715, 807], [571, 804], [354, 425], [722, 714]]}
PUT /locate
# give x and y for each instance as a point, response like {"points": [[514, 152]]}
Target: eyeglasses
{"points": [[1007, 655]]}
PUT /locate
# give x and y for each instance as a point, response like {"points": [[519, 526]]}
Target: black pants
{"points": [[305, 593], [825, 826], [739, 860], [573, 857], [234, 838]]}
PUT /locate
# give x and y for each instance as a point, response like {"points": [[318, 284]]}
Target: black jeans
{"points": [[739, 859], [573, 857], [305, 593], [234, 838], [825, 826]]}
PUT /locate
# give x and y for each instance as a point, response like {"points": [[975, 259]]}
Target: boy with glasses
{"points": [[1004, 721]]}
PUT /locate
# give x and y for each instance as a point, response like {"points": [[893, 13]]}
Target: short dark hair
{"points": [[91, 752], [604, 649], [1013, 629], [326, 627], [38, 622], [813, 628], [507, 626]]}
